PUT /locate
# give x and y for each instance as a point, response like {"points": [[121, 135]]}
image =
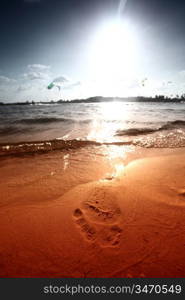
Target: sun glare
{"points": [[104, 127], [112, 54]]}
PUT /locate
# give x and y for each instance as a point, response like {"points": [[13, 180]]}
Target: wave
{"points": [[43, 120], [174, 124], [41, 147], [47, 146], [16, 128], [8, 130], [175, 138], [51, 120], [143, 131], [87, 121], [135, 131], [11, 130]]}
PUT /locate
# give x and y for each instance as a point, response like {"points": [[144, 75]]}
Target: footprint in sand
{"points": [[106, 236], [98, 217], [101, 207], [110, 237], [88, 230]]}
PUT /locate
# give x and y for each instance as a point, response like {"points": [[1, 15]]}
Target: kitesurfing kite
{"points": [[57, 82], [52, 84], [143, 82]]}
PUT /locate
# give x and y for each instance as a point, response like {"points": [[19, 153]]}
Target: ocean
{"points": [[46, 127]]}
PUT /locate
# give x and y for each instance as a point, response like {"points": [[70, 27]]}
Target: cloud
{"points": [[61, 79], [31, 84], [38, 67], [37, 72], [23, 88], [6, 80], [35, 76]]}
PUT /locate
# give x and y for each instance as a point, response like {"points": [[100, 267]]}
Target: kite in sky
{"points": [[57, 82], [143, 82], [52, 84]]}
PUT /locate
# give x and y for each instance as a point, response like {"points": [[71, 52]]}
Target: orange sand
{"points": [[130, 225]]}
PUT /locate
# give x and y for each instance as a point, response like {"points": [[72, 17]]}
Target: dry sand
{"points": [[128, 225]]}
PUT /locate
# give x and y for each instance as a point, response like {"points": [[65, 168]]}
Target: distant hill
{"points": [[98, 99]]}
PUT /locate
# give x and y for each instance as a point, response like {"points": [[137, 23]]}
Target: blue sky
{"points": [[78, 40]]}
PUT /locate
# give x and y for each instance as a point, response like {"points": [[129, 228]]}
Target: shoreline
{"points": [[128, 225]]}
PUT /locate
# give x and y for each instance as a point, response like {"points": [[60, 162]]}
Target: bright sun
{"points": [[113, 54]]}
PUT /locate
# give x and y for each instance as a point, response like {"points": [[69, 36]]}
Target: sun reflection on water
{"points": [[119, 169], [117, 157], [104, 127]]}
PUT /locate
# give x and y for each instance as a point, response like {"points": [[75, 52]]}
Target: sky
{"points": [[91, 47]]}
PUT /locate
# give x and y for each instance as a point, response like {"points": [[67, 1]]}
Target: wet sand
{"points": [[115, 218]]}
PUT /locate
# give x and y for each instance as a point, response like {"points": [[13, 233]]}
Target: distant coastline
{"points": [[99, 99]]}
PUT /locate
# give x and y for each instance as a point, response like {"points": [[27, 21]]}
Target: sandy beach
{"points": [[107, 218], [92, 144]]}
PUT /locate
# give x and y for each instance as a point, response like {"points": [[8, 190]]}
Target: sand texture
{"points": [[129, 225]]}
